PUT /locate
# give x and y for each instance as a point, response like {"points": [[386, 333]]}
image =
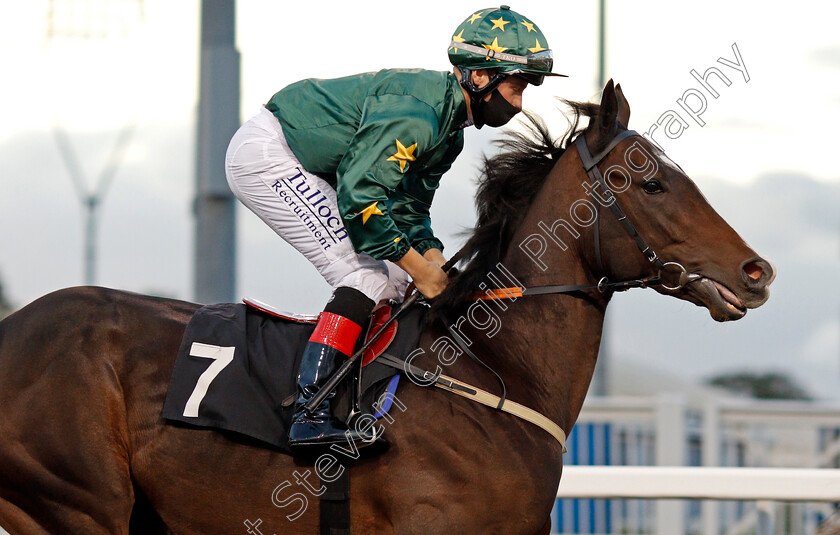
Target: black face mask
{"points": [[495, 112]]}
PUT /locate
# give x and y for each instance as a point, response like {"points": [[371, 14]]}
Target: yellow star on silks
{"points": [[457, 39], [403, 155], [499, 23], [369, 211], [537, 48], [494, 46], [474, 17], [529, 25]]}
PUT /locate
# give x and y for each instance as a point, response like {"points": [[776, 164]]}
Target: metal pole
{"points": [[711, 458], [214, 269], [92, 201], [90, 241], [601, 43], [670, 451], [600, 377]]}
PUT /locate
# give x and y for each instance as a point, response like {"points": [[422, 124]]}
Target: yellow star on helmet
{"points": [[403, 155], [458, 39], [369, 211], [537, 48], [529, 25], [474, 17], [494, 46], [499, 23]]}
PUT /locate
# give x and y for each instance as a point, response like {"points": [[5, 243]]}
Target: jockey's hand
{"points": [[434, 255], [433, 282], [429, 279]]}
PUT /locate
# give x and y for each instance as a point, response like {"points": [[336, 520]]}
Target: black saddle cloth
{"points": [[236, 370]]}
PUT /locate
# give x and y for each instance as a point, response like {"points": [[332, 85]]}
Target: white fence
{"points": [[701, 483], [674, 450]]}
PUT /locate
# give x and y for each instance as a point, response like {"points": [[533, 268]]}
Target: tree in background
{"points": [[771, 385]]}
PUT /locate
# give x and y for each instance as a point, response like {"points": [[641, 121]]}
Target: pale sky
{"points": [[150, 74], [782, 121]]}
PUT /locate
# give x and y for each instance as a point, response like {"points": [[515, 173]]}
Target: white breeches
{"points": [[301, 208]]}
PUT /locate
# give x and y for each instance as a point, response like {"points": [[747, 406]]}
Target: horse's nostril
{"points": [[753, 270]]}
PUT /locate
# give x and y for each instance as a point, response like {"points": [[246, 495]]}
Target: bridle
{"points": [[604, 285]]}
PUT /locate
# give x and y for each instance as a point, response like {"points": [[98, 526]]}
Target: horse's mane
{"points": [[506, 188]]}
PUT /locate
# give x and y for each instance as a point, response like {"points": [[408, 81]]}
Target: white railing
{"points": [[791, 441], [701, 483], [762, 485]]}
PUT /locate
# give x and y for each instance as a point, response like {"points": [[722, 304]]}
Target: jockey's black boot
{"points": [[334, 339]]}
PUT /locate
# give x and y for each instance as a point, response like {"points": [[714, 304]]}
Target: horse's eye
{"points": [[652, 186]]}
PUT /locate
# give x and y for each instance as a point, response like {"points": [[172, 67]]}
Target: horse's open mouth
{"points": [[723, 305]]}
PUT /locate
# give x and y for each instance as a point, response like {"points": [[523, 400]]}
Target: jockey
{"points": [[345, 171]]}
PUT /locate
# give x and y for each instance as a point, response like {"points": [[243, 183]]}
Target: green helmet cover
{"points": [[498, 30]]}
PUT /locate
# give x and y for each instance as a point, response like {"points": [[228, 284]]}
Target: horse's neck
{"points": [[546, 352], [550, 343]]}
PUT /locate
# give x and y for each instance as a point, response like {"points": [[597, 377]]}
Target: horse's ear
{"points": [[599, 136], [623, 107], [609, 108]]}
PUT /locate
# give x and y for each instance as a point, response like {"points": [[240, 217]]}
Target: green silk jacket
{"points": [[387, 137]]}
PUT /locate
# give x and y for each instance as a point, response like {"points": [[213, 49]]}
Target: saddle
{"points": [[237, 365]]}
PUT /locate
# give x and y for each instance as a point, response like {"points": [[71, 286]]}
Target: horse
{"points": [[84, 371]]}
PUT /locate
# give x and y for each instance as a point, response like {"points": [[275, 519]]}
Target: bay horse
{"points": [[84, 371]]}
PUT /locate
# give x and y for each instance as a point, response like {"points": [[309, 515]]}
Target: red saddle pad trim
{"points": [[380, 316]]}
